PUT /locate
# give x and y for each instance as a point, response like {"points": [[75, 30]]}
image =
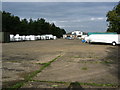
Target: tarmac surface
{"points": [[92, 65]]}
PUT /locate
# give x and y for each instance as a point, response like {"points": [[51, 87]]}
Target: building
{"points": [[75, 34]]}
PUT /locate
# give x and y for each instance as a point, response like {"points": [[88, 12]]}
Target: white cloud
{"points": [[62, 21], [71, 26], [100, 18], [52, 21], [70, 21], [60, 1], [92, 19]]}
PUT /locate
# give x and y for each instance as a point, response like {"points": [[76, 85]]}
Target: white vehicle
{"points": [[104, 38], [54, 37], [17, 37], [12, 37], [83, 36], [42, 37], [86, 39]]}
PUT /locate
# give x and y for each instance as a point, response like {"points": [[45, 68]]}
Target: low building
{"points": [[68, 35], [75, 34]]}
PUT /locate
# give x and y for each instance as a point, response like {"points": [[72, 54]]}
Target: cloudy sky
{"points": [[84, 16]]}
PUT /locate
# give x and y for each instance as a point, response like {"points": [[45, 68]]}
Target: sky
{"points": [[83, 16], [60, 1]]}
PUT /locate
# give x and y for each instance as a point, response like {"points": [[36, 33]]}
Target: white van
{"points": [[104, 38]]}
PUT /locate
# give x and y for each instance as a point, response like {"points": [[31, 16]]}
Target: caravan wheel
{"points": [[113, 43]]}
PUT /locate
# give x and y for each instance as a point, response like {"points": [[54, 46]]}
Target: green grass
{"points": [[54, 85], [84, 68], [31, 75], [41, 63], [61, 82], [107, 62]]}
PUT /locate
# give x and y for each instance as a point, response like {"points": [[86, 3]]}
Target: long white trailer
{"points": [[104, 38]]}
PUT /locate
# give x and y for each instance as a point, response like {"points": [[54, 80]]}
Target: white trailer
{"points": [[104, 38]]}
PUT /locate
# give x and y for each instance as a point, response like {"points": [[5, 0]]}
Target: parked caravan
{"points": [[32, 37], [42, 37], [27, 38], [23, 38], [38, 37], [49, 36], [17, 37], [12, 37], [104, 38]]}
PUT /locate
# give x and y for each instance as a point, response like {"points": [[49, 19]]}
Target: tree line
{"points": [[14, 25], [113, 17]]}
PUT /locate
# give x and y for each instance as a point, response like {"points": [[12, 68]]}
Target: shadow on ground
{"points": [[113, 60], [74, 86]]}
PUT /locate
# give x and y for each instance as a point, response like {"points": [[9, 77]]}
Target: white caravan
{"points": [[17, 37], [12, 37], [104, 38]]}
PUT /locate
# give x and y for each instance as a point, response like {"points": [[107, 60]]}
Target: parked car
{"points": [[69, 38]]}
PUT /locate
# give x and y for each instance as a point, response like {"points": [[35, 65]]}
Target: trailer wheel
{"points": [[113, 43]]}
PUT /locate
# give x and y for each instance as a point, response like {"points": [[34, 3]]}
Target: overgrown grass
{"points": [[31, 75]]}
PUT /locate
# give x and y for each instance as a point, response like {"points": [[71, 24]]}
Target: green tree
{"points": [[10, 23], [14, 25], [113, 17], [24, 29]]}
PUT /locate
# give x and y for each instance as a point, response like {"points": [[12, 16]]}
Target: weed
{"points": [[54, 85], [41, 63], [107, 62], [84, 68]]}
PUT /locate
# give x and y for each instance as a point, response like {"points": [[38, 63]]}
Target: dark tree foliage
{"points": [[113, 17], [14, 25]]}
